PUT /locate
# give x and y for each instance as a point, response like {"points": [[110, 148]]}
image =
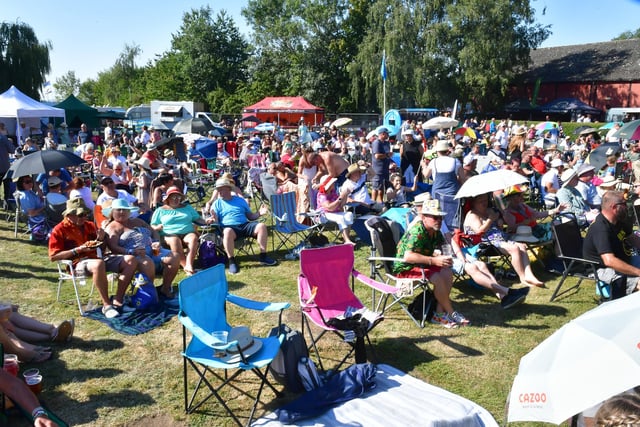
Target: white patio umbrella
{"points": [[439, 122], [591, 358], [341, 121], [489, 182]]}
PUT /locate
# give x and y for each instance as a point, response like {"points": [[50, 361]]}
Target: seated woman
{"points": [[18, 331], [174, 221], [286, 179], [82, 191], [487, 223], [159, 187], [517, 212], [133, 236], [31, 204], [331, 204], [398, 194]]}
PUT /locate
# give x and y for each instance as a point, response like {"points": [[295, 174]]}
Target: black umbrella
{"points": [[598, 157], [579, 129], [193, 125], [43, 161], [252, 119]]}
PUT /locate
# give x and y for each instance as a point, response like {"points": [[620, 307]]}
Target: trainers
{"points": [[233, 268], [265, 260], [444, 320], [514, 297], [459, 318], [110, 312]]}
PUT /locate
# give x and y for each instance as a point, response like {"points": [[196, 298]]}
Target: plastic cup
{"points": [[5, 311], [155, 248], [34, 383], [10, 364], [30, 373], [446, 250], [220, 336]]}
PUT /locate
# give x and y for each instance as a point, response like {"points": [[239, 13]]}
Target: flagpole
{"points": [[383, 73]]}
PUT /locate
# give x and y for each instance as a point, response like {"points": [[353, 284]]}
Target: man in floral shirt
{"points": [[420, 249]]}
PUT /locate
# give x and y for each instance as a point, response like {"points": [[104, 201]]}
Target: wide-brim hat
{"points": [[419, 199], [327, 181], [556, 163], [118, 204], [515, 189], [608, 182], [247, 343], [52, 181], [585, 168], [223, 182], [524, 233], [442, 145], [144, 162], [520, 131], [355, 168], [76, 207], [173, 190], [432, 207], [567, 176]]}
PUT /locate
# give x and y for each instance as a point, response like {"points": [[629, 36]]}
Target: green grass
{"points": [[103, 378]]}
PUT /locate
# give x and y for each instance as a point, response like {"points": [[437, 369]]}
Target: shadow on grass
{"points": [[12, 271]]}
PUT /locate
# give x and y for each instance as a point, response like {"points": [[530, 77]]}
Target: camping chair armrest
{"points": [[203, 335], [583, 260], [67, 262], [385, 258], [257, 305], [374, 284]]}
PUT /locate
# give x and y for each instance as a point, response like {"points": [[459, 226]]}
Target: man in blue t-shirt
{"points": [[234, 215]]}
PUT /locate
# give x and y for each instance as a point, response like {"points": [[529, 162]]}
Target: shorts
{"points": [[379, 182], [112, 263], [248, 229], [609, 275], [416, 272], [157, 260]]}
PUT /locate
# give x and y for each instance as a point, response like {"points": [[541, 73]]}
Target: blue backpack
{"points": [[144, 294]]}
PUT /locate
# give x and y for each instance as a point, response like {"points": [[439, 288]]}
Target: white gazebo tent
{"points": [[15, 104]]}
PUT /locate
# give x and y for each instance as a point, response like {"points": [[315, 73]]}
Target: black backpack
{"points": [[415, 308], [284, 367]]}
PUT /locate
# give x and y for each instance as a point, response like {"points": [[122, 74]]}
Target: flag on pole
{"points": [[383, 67]]}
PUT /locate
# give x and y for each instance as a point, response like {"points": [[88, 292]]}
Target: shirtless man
{"points": [[329, 163]]}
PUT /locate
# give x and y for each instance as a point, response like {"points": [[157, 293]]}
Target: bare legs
{"points": [[480, 274], [520, 261], [442, 283]]}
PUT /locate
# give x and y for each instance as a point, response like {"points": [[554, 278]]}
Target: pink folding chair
{"points": [[325, 289]]}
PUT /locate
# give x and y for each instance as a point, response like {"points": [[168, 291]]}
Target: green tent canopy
{"points": [[77, 112]]}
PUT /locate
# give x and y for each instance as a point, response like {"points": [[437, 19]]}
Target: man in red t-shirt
{"points": [[77, 239], [537, 162]]}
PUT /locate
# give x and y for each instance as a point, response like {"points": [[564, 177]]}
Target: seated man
{"points": [[77, 239], [570, 196], [416, 248], [605, 243], [355, 187], [236, 219]]}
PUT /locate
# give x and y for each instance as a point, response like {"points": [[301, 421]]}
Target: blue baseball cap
{"points": [[382, 129]]}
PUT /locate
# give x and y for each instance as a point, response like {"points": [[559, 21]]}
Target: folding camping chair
{"points": [[203, 298], [286, 226], [568, 238], [327, 298], [385, 235]]}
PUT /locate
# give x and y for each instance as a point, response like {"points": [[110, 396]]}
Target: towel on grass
{"points": [[137, 322]]}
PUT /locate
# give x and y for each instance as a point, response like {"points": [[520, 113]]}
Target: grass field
{"points": [[103, 378]]}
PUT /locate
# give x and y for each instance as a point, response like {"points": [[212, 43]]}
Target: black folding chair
{"points": [[568, 240]]}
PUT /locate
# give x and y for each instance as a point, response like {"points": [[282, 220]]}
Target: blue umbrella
{"points": [[608, 125]]}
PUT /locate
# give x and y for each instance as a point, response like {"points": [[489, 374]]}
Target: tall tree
{"points": [[116, 85], [24, 61], [441, 51], [629, 35], [212, 52], [67, 84]]}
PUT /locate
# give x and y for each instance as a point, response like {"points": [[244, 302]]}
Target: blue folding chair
{"points": [[203, 298], [286, 226]]}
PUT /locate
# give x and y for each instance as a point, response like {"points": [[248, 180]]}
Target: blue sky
{"points": [[87, 36]]}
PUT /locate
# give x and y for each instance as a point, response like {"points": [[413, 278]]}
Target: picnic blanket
{"points": [[398, 400], [137, 322]]}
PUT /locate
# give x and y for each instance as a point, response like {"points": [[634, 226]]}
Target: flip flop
{"points": [[63, 331]]}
